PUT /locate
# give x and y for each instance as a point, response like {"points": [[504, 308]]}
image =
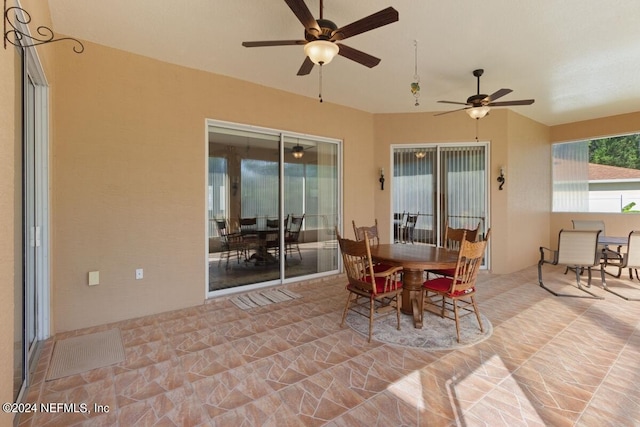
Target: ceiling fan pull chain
{"points": [[320, 83]]}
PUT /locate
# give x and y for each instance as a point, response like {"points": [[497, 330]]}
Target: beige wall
{"points": [[615, 224], [515, 142], [129, 176]]}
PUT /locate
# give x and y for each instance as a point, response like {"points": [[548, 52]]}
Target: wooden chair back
{"points": [[468, 265], [356, 257], [371, 231], [453, 236]]}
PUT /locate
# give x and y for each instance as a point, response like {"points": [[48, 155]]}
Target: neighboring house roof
{"points": [[604, 172]]}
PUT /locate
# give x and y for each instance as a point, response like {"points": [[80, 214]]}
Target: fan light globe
{"points": [[321, 52], [297, 151], [478, 112]]}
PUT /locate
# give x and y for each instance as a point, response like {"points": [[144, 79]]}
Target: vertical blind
{"points": [[570, 171]]}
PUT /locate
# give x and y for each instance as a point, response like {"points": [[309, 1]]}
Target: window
{"points": [[598, 175]]}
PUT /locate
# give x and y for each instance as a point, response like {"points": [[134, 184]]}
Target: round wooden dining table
{"points": [[414, 259]]}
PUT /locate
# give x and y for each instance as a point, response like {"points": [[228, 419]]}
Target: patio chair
{"points": [[578, 251], [609, 256], [292, 235], [232, 243], [446, 293], [409, 228], [371, 294], [453, 237], [630, 260], [398, 224]]}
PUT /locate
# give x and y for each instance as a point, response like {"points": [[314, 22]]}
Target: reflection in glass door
{"points": [[272, 203], [439, 185]]}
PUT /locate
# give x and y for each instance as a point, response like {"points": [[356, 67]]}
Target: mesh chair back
{"points": [[632, 257], [578, 247]]}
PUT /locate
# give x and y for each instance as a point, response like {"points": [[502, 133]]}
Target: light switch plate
{"points": [[94, 278]]}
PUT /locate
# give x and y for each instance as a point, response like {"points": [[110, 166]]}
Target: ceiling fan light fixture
{"points": [[297, 151], [321, 52], [478, 112]]}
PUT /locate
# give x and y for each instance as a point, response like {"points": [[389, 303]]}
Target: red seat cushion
{"points": [[377, 268], [442, 285], [380, 284]]}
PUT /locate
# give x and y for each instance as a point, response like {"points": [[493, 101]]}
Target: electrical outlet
{"points": [[139, 273]]}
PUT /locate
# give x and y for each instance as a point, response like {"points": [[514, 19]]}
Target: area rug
{"points": [[436, 333], [262, 298], [83, 353]]}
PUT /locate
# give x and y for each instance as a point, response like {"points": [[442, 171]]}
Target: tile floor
{"points": [[550, 361]]}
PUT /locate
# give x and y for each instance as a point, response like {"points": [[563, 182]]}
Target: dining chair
{"points": [[232, 243], [610, 257], [453, 237], [409, 228], [630, 260], [372, 295], [451, 295], [578, 251], [370, 232], [292, 235]]}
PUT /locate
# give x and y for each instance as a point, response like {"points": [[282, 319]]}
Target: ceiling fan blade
{"points": [[302, 12], [274, 43], [508, 103], [306, 67], [454, 102], [498, 94], [378, 19], [358, 56], [452, 111]]}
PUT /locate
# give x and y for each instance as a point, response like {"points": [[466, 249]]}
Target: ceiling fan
{"points": [[479, 105], [321, 36]]}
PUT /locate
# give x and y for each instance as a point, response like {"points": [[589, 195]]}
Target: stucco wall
{"points": [[129, 176]]}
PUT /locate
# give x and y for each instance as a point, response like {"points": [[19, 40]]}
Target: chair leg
{"points": [[455, 315], [579, 286], [606, 288], [475, 309], [346, 309], [398, 310]]}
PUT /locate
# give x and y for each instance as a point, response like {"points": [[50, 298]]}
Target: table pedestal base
{"points": [[411, 294]]}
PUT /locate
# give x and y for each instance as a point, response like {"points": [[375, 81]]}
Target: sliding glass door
{"points": [[272, 203], [436, 185]]}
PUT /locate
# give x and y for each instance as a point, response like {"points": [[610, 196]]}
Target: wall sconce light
{"points": [[381, 178], [234, 185], [502, 178]]}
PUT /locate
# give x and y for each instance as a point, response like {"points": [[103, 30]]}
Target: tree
{"points": [[621, 151]]}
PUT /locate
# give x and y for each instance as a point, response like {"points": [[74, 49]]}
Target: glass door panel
{"points": [[243, 208], [311, 204], [272, 205]]}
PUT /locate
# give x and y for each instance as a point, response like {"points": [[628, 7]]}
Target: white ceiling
{"points": [[579, 59]]}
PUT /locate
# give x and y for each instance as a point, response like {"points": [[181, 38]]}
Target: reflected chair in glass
{"points": [[451, 295], [372, 295], [611, 257], [630, 260], [292, 235], [578, 251], [409, 228], [232, 243], [398, 224], [453, 237]]}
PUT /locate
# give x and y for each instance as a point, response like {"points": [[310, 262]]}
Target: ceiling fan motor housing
{"points": [[326, 27]]}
